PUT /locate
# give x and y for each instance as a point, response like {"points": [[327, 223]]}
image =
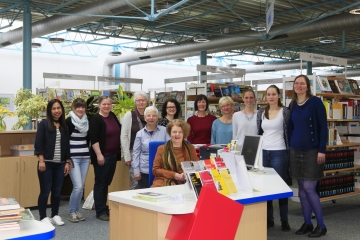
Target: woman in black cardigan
{"points": [[104, 133], [53, 149]]}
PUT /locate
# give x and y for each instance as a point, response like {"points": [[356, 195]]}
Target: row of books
{"points": [[69, 94], [163, 96], [333, 137], [344, 109], [337, 159], [11, 214], [343, 86], [335, 185], [231, 90], [212, 173]]}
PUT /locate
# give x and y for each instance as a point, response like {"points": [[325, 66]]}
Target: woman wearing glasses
{"points": [[132, 122], [170, 110]]}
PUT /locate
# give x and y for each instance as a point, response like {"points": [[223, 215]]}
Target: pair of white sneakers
{"points": [[56, 220]]}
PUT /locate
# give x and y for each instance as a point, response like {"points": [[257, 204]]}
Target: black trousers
{"points": [[103, 178], [144, 181]]}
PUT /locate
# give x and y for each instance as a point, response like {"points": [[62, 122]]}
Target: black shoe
{"points": [[270, 223], [103, 217], [285, 227], [318, 232], [304, 229]]}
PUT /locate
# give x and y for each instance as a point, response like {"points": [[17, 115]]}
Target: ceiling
{"points": [[212, 18]]}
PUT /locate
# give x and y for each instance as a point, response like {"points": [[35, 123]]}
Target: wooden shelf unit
{"points": [[342, 169]]}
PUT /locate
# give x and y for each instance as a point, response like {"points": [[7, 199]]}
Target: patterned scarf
{"points": [[170, 162], [80, 124]]}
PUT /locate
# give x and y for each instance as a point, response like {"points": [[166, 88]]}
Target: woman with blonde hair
{"points": [[167, 163], [221, 131]]}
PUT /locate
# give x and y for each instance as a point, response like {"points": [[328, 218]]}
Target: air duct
{"points": [[58, 22], [329, 25]]}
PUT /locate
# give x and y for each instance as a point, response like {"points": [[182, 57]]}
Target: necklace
{"points": [[302, 103], [251, 115]]}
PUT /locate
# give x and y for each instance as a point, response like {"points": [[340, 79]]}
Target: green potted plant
{"points": [[28, 105], [123, 103]]}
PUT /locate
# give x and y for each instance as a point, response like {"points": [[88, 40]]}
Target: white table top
{"points": [[30, 229], [268, 186]]}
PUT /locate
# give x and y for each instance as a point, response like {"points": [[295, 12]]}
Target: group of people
{"points": [[294, 142]]}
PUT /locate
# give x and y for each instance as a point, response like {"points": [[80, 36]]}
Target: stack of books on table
{"points": [[10, 214]]}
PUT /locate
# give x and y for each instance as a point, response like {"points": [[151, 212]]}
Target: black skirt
{"points": [[304, 166]]}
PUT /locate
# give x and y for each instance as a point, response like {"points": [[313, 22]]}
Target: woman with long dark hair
{"points": [[272, 124], [52, 148], [308, 134], [170, 110]]}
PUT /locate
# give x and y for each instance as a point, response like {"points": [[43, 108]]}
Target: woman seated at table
{"points": [[151, 132], [167, 163]]}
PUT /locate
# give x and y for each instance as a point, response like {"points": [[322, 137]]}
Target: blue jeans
{"points": [[103, 178], [78, 176], [51, 179], [277, 159]]}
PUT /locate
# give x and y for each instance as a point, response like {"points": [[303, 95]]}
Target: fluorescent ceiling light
{"points": [[209, 57], [112, 26], [259, 27], [56, 40], [140, 49], [232, 65], [201, 38], [115, 53], [163, 8], [259, 63], [326, 40], [267, 49], [35, 45], [179, 60], [355, 10]]}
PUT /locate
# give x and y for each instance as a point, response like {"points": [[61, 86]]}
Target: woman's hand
{"points": [[321, 158], [128, 163], [66, 169], [42, 166], [100, 159], [137, 177], [180, 176]]}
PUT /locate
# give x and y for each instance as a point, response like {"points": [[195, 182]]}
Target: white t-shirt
{"points": [[242, 126], [273, 136]]}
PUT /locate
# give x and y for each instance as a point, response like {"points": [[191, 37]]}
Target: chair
{"points": [[153, 146]]}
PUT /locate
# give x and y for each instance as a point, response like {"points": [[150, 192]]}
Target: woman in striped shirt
{"points": [[78, 125]]}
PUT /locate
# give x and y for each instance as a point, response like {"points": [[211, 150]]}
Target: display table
{"points": [[137, 219], [31, 229]]}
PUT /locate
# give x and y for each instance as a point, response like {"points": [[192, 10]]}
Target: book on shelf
{"points": [[328, 108], [349, 104], [207, 180], [225, 91], [77, 93], [8, 204], [225, 173], [87, 93], [209, 164], [160, 97], [217, 91], [344, 86], [113, 96], [152, 196], [324, 84], [192, 166], [236, 93], [172, 94], [354, 86], [60, 94], [333, 86], [95, 93], [337, 110], [105, 93], [195, 182], [166, 96], [180, 96], [69, 94], [219, 163], [220, 183]]}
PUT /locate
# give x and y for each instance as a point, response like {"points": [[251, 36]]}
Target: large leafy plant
{"points": [[28, 105], [123, 103]]}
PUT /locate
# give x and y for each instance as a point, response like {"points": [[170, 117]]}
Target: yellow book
{"points": [[337, 110], [220, 183], [225, 173]]}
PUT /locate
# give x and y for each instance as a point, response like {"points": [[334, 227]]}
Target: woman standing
{"points": [[104, 134], [201, 122], [308, 135], [132, 122], [244, 121], [151, 132], [167, 163], [170, 110], [272, 124], [52, 148], [221, 131], [78, 125]]}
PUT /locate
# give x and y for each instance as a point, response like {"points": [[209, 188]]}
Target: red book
{"points": [[207, 180]]}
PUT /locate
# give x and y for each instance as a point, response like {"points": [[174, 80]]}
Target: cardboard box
{"points": [[22, 150]]}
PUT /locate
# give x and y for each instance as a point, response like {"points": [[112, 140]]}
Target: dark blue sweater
{"points": [[307, 127]]}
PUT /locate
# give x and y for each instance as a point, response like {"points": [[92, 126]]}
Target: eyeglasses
{"points": [[140, 100], [171, 107]]}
